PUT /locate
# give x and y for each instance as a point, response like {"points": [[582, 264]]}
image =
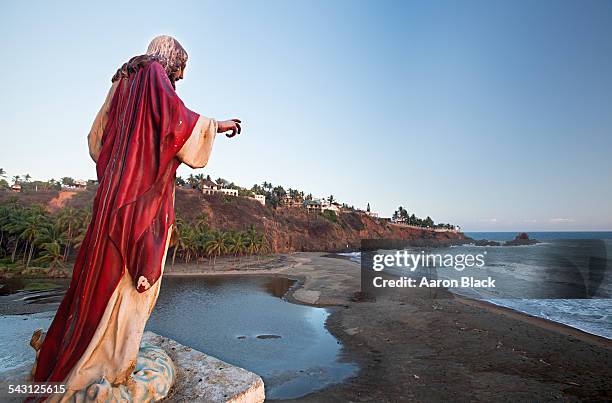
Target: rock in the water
{"points": [[268, 336], [522, 239], [485, 242]]}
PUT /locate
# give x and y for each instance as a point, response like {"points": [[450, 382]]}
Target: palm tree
{"points": [[32, 231], [262, 245], [192, 181], [51, 254], [201, 237], [5, 219], [236, 244], [178, 238], [84, 216], [69, 221], [67, 181], [190, 246], [2, 173], [216, 246], [15, 226], [200, 178], [250, 240], [201, 222]]}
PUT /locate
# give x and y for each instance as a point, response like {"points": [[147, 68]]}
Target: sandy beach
{"points": [[448, 348], [415, 347]]}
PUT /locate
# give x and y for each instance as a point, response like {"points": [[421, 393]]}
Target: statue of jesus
{"points": [[140, 136]]}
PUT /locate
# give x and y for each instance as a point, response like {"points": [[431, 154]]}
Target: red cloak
{"points": [[132, 211]]}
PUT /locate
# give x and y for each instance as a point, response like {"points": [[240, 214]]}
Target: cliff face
{"points": [[287, 229], [293, 229]]}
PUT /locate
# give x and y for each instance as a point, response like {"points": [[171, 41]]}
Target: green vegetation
{"points": [[3, 183], [195, 240], [40, 286], [276, 196], [401, 216], [27, 184], [330, 215], [30, 234]]}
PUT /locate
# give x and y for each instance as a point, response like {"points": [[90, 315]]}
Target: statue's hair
{"points": [[163, 49]]}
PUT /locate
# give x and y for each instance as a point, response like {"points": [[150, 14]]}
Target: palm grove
{"points": [[31, 236]]}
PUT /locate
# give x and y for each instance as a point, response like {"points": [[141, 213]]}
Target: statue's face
{"points": [[178, 75]]}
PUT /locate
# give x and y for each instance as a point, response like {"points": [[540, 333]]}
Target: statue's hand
{"points": [[232, 125]]}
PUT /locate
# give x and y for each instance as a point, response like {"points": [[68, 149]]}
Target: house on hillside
{"points": [[16, 187], [313, 205], [80, 184], [229, 192], [335, 207], [209, 187], [293, 202], [259, 198]]}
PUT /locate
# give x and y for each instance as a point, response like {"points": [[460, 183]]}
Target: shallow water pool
{"points": [[245, 321]]}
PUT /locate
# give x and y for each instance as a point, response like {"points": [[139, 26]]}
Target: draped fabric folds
{"points": [[133, 209]]}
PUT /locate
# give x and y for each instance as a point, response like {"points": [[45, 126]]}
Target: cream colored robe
{"points": [[113, 349]]}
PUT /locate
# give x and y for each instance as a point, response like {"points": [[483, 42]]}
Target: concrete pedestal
{"points": [[197, 377], [202, 378]]}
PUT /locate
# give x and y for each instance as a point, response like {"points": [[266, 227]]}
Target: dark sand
{"points": [[418, 348], [415, 348]]}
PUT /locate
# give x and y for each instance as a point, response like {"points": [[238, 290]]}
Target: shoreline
{"points": [[538, 321], [535, 320], [413, 339], [485, 351], [280, 264], [545, 323], [450, 347]]}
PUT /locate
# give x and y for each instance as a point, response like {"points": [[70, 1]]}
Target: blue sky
{"points": [[494, 115]]}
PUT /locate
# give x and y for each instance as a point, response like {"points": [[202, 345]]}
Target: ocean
{"points": [[544, 280]]}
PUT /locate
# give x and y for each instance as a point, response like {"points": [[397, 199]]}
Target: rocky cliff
{"points": [[295, 229], [287, 229]]}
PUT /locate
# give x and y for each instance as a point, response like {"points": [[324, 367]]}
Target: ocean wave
{"points": [[589, 315]]}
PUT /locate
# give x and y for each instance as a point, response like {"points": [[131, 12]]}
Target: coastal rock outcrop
{"points": [[522, 239], [485, 242]]}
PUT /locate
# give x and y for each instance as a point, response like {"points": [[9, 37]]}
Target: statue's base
{"points": [[194, 376], [202, 378]]}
